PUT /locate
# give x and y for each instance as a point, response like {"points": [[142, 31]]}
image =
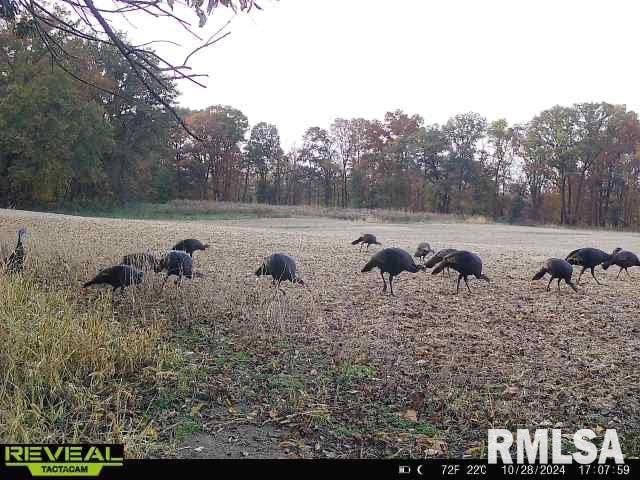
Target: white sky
{"points": [[301, 63]]}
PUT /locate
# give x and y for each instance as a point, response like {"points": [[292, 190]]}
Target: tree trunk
{"points": [[562, 198], [246, 185]]}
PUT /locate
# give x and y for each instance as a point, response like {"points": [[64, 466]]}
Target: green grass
{"points": [[165, 400], [342, 430], [188, 426], [286, 382], [401, 424], [356, 372], [383, 420], [630, 444], [233, 359]]}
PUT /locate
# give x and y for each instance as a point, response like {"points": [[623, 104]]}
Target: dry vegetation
{"points": [[335, 368], [207, 209]]}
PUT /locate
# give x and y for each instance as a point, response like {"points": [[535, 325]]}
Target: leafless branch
{"points": [[153, 42], [136, 66], [93, 25]]}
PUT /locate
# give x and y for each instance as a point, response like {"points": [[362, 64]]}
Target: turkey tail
{"points": [[540, 274], [89, 283], [371, 264], [439, 268], [356, 241]]}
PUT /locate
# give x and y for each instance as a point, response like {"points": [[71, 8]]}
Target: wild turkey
{"points": [[587, 258], [190, 245], [423, 250], [465, 263], [178, 263], [281, 267], [557, 268], [623, 259], [142, 261], [15, 262], [119, 276], [438, 257], [366, 238], [392, 261]]}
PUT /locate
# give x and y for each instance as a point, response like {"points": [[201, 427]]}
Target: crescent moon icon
{"points": [[419, 469]]}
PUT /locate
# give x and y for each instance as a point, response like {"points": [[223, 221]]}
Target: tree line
{"points": [[68, 141], [569, 165]]}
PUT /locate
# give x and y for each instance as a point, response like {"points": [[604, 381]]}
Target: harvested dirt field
{"points": [[338, 369]]}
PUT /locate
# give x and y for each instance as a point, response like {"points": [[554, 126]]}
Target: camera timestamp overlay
{"points": [[541, 453]]}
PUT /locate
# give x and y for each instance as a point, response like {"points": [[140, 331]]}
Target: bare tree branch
{"points": [[154, 72]]}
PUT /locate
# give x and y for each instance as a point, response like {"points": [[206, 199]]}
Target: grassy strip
{"points": [[209, 210], [74, 372]]}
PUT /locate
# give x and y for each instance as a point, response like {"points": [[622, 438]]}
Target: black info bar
{"points": [[110, 462]]}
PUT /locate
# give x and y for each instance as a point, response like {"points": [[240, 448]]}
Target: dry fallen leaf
{"points": [[409, 414], [150, 432], [511, 391]]}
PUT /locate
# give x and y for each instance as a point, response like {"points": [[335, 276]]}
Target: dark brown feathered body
{"points": [[623, 259], [190, 245], [142, 261], [178, 263], [15, 262], [367, 239], [392, 261], [281, 267], [465, 263], [587, 258], [119, 276], [423, 250], [438, 257], [557, 268]]}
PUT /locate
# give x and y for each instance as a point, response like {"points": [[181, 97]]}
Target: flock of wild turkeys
{"points": [[395, 260], [281, 267]]}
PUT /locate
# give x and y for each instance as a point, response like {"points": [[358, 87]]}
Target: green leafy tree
{"points": [[554, 137], [503, 147], [217, 159], [264, 155], [318, 154], [463, 132], [52, 143]]}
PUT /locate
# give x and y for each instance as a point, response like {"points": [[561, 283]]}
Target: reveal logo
{"points": [[63, 460]]}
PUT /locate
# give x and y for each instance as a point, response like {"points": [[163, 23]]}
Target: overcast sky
{"points": [[300, 63]]}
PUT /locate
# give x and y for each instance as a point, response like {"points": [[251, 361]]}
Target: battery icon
{"points": [[404, 469]]}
